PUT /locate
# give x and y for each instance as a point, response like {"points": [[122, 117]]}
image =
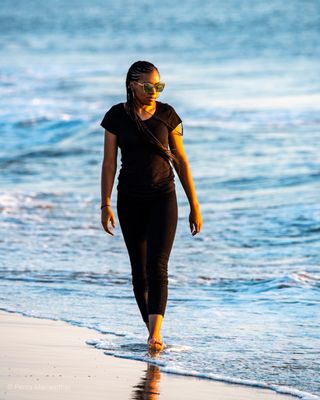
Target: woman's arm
{"points": [[108, 171], [184, 172], [109, 166]]}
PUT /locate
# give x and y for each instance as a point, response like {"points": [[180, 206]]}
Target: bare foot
{"points": [[155, 344]]}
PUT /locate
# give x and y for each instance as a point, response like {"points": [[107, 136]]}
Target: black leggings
{"points": [[148, 227]]}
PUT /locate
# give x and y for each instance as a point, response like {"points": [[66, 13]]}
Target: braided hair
{"points": [[134, 73]]}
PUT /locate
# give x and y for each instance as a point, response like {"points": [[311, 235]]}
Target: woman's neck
{"points": [[144, 108], [147, 109]]}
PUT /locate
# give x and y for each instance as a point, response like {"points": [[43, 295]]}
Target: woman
{"points": [[146, 204]]}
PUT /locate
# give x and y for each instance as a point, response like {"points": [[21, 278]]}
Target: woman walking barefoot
{"points": [[147, 208]]}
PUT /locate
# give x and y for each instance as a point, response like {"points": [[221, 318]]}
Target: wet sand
{"points": [[40, 357]]}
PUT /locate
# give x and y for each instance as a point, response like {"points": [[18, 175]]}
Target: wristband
{"points": [[105, 205]]}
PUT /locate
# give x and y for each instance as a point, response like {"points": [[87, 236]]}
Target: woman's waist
{"points": [[145, 190], [146, 177]]}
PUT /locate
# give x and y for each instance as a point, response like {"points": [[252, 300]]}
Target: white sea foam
{"points": [[247, 382]]}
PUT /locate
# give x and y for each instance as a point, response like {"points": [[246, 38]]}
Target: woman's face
{"points": [[146, 98]]}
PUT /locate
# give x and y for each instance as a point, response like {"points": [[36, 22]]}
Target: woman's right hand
{"points": [[106, 216]]}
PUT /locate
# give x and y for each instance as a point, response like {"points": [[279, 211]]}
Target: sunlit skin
{"points": [[145, 107]]}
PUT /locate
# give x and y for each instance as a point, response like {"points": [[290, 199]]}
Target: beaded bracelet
{"points": [[105, 206]]}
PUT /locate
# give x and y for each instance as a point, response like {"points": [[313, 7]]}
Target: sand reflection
{"points": [[148, 387]]}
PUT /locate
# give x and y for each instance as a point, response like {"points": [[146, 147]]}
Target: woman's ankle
{"points": [[154, 337]]}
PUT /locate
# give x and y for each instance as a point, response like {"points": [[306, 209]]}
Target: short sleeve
{"points": [[109, 121], [174, 120]]}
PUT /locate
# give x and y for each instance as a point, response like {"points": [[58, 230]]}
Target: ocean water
{"points": [[244, 294]]}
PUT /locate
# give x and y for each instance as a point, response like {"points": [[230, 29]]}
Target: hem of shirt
{"points": [[135, 193]]}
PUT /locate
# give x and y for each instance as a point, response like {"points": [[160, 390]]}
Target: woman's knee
{"points": [[157, 270], [139, 281]]}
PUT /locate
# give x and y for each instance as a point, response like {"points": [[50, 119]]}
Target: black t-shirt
{"points": [[144, 172]]}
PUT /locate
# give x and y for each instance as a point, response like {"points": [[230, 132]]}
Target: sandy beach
{"points": [[45, 357]]}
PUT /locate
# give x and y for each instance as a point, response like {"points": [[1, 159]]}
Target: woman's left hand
{"points": [[195, 220]]}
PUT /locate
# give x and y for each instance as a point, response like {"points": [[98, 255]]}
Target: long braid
{"points": [[134, 73]]}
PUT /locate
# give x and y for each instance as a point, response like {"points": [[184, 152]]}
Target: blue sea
{"points": [[244, 294]]}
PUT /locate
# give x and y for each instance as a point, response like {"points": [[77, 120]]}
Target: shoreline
{"points": [[43, 356]]}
